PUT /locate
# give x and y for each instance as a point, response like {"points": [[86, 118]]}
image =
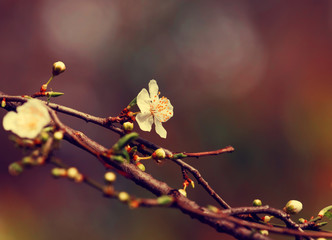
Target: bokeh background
{"points": [[252, 74]]}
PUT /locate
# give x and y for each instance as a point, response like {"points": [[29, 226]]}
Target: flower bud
{"points": [[40, 160], [267, 219], [183, 192], [159, 154], [43, 88], [53, 94], [302, 220], [108, 190], [128, 126], [59, 172], [257, 203], [213, 208], [44, 136], [110, 177], [165, 199], [264, 232], [15, 169], [72, 172], [123, 196], [134, 204], [293, 207], [58, 135], [58, 67], [3, 103], [79, 178], [27, 161], [140, 166]]}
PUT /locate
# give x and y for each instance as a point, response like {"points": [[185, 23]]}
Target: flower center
{"points": [[160, 109]]}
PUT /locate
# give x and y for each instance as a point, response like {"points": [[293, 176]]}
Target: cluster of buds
{"points": [[109, 191], [185, 185], [157, 155], [71, 173], [125, 117], [36, 158]]}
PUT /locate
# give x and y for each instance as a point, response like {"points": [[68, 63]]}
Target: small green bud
{"points": [[213, 208], [183, 192], [15, 169], [28, 161], [293, 207], [324, 211], [179, 156], [164, 200], [321, 224], [128, 126], [44, 136], [257, 203], [59, 172], [58, 67], [110, 177], [140, 166], [53, 94], [159, 154], [123, 196], [302, 220], [58, 135]]}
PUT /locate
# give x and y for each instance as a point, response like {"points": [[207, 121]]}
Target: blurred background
{"points": [[252, 74]]}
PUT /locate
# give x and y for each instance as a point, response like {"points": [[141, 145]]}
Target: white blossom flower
{"points": [[153, 109], [28, 120]]}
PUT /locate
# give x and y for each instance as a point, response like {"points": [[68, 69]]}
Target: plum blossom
{"points": [[153, 109], [28, 120]]}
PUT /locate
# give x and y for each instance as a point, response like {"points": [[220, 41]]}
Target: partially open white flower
{"points": [[28, 120], [153, 109]]}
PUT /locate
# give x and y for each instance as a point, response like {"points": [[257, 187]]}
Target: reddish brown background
{"points": [[252, 74]]}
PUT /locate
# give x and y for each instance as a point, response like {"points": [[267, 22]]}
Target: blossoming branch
{"points": [[37, 129]]}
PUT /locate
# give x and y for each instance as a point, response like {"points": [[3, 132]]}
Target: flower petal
{"points": [[143, 101], [9, 120], [145, 121], [163, 110], [160, 129], [153, 89], [35, 108]]}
